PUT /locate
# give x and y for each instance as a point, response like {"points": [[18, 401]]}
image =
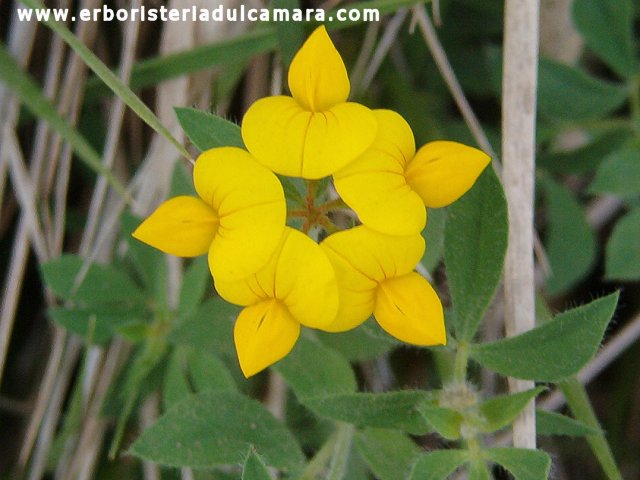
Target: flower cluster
{"points": [[283, 277]]}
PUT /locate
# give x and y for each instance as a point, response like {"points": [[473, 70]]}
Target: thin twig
{"points": [[518, 174], [442, 62]]}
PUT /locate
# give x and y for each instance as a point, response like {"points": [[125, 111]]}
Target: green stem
{"points": [[320, 459], [341, 450], [580, 405], [461, 361], [634, 100]]}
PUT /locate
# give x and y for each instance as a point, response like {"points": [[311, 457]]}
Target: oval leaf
{"points": [[523, 463], [553, 351], [552, 423], [500, 411], [313, 370], [254, 468], [397, 410], [619, 174], [390, 454], [210, 429], [475, 245], [207, 130], [570, 242], [623, 248], [563, 90], [102, 284], [439, 464], [607, 28]]}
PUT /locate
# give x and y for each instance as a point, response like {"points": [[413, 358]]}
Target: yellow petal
{"points": [[264, 333], [251, 208], [441, 172], [408, 308], [375, 255], [299, 275], [292, 141], [374, 185], [182, 226], [305, 281], [317, 77], [362, 258]]}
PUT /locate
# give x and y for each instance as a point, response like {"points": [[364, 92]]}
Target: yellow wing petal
{"points": [[374, 185], [251, 208], [264, 333], [183, 226], [305, 281], [317, 76], [362, 258], [292, 141], [408, 308], [441, 172], [298, 274], [375, 255]]}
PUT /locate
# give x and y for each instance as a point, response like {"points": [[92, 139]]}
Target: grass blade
{"points": [[28, 91], [109, 78]]}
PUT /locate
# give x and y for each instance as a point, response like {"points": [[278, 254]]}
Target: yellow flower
{"points": [[238, 219], [315, 132], [375, 275], [297, 287], [390, 184]]}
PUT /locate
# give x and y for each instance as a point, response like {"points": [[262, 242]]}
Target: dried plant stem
{"points": [[442, 62], [518, 149]]}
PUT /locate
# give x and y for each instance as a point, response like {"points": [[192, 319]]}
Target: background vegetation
{"points": [[86, 368]]}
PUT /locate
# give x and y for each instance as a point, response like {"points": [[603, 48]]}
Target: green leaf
{"points": [[619, 174], [552, 423], [434, 237], [523, 463], [101, 285], [587, 158], [150, 264], [569, 94], [99, 322], [570, 242], [553, 351], [390, 454], [210, 429], [207, 372], [438, 464], [154, 70], [445, 421], [478, 470], [210, 327], [207, 130], [500, 411], [359, 344], [290, 35], [254, 467], [181, 181], [313, 370], [109, 78], [195, 281], [175, 386], [23, 86], [398, 410], [622, 261], [474, 249], [607, 28]]}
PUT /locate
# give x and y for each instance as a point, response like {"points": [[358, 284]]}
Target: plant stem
{"points": [[341, 450], [580, 405], [518, 149], [461, 361]]}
